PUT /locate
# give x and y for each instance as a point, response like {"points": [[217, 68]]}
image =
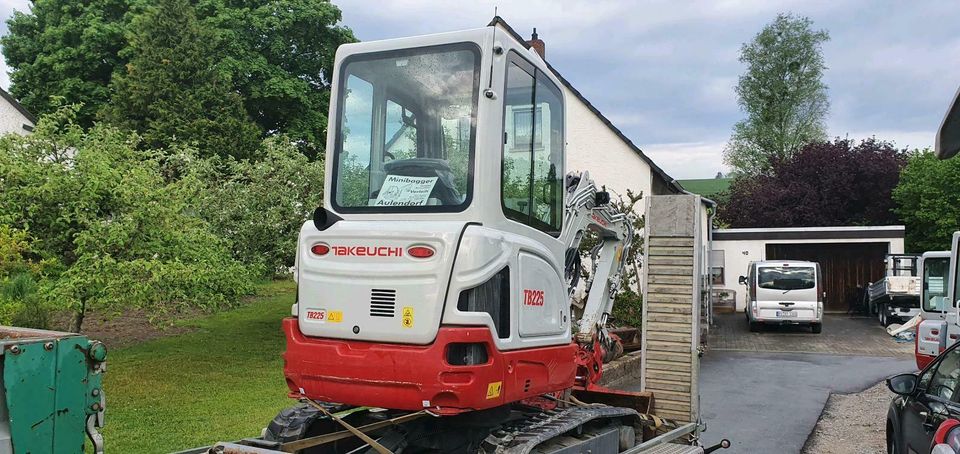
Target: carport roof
{"points": [[810, 233]]}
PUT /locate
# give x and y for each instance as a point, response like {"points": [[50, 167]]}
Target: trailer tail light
{"points": [[420, 252], [320, 249]]}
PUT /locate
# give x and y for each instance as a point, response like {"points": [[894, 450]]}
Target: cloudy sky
{"points": [[663, 70]]}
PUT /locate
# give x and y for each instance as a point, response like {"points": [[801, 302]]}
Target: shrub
{"points": [[115, 230], [259, 206], [14, 246]]}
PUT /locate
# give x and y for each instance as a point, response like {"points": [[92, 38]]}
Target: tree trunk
{"points": [[78, 316]]}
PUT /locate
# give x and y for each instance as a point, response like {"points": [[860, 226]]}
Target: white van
{"points": [[784, 292]]}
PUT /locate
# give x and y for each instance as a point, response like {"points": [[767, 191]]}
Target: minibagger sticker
{"points": [[398, 191]]}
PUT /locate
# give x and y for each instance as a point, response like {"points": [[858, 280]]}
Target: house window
{"points": [[526, 120], [532, 172], [716, 267], [716, 275]]}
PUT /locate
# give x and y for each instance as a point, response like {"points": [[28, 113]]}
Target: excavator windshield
{"points": [[405, 135], [936, 271]]}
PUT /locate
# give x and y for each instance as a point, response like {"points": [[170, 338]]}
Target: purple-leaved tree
{"points": [[824, 184]]}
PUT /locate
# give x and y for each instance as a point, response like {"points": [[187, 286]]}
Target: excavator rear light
{"points": [[320, 249], [420, 252]]}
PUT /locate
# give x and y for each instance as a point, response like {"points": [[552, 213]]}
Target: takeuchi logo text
{"points": [[367, 251]]}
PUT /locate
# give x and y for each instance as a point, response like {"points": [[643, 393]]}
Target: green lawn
{"points": [[223, 381], [706, 187]]}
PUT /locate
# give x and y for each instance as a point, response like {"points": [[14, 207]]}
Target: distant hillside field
{"points": [[706, 187]]}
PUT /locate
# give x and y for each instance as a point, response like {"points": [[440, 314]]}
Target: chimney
{"points": [[537, 44]]}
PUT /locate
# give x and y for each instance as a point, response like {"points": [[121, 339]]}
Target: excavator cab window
{"points": [[935, 276], [406, 128], [531, 188]]}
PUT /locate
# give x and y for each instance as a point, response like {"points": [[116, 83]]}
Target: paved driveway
{"points": [[770, 402], [842, 335], [765, 391]]}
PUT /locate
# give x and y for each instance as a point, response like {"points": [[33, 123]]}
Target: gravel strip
{"points": [[852, 423]]}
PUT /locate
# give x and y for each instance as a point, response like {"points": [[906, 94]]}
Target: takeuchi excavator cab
{"points": [[434, 274]]}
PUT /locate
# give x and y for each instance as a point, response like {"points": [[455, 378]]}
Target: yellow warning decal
{"points": [[335, 316], [406, 319], [493, 389]]}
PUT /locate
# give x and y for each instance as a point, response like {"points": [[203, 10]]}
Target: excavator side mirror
{"points": [[323, 219]]}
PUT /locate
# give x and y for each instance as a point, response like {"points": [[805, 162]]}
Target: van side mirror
{"points": [[903, 384], [742, 280]]}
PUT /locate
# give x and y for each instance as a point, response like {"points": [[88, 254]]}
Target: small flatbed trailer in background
{"points": [[896, 297]]}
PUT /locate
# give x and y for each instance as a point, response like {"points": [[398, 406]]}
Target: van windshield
{"points": [[786, 278]]}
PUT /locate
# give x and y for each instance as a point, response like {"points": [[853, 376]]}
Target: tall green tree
{"points": [[277, 54], [928, 201], [781, 93], [65, 49], [173, 90], [280, 57]]}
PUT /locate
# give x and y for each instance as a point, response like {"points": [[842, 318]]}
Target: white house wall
{"points": [[593, 147], [12, 120]]}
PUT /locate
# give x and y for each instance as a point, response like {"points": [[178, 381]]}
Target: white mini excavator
{"points": [[435, 284]]}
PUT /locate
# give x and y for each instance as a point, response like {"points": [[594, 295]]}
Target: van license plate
{"points": [[786, 314]]}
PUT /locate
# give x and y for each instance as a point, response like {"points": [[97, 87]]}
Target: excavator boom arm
{"points": [[589, 208]]}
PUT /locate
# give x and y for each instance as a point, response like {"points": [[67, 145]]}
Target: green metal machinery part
{"points": [[52, 393]]}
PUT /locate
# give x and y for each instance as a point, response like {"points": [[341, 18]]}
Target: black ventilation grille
{"points": [[383, 302], [492, 297]]}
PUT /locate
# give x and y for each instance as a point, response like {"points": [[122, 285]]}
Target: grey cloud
{"points": [[665, 70]]}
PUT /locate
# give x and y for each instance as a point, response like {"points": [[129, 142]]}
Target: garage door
{"points": [[847, 267]]}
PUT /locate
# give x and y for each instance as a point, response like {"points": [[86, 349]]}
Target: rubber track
{"points": [[522, 437]]}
